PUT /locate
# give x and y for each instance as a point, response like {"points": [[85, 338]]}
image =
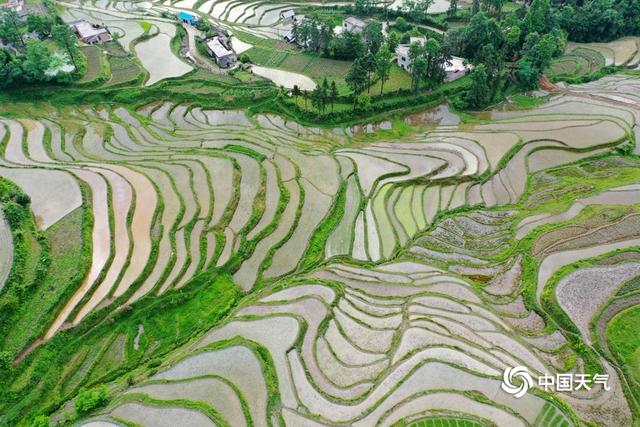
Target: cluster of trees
{"points": [[598, 20], [27, 58], [321, 97], [316, 35], [505, 48], [369, 67]]}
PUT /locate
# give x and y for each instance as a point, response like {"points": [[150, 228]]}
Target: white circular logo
{"points": [[526, 381]]}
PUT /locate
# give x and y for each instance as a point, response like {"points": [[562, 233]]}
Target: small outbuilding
{"points": [[287, 15], [90, 33], [353, 25], [224, 56], [289, 37], [188, 18]]}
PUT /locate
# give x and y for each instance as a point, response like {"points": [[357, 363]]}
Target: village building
{"points": [[402, 52], [188, 18], [16, 5], [287, 15], [353, 25], [224, 56], [90, 33]]}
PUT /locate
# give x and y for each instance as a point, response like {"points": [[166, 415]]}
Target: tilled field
{"points": [[370, 300]]}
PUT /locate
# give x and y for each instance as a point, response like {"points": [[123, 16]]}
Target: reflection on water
{"points": [[438, 116]]}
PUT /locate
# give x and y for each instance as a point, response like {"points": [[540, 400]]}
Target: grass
{"points": [[313, 66], [624, 342], [524, 101], [65, 242], [398, 79], [169, 321]]}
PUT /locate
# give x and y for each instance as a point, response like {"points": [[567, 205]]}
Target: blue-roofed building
{"points": [[188, 18]]}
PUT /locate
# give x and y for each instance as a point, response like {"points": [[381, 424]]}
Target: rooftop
{"points": [[288, 14], [86, 29], [218, 48], [356, 22], [187, 16]]}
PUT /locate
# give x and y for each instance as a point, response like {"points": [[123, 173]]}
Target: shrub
{"points": [[88, 400], [23, 199], [14, 213], [40, 421]]}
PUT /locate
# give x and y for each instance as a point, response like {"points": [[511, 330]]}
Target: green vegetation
{"points": [[624, 342]]}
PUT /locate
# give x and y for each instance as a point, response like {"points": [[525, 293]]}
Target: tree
{"points": [[393, 41], [40, 24], [479, 93], [417, 8], [539, 17], [356, 79], [475, 7], [383, 65], [9, 68], [528, 74], [369, 64], [87, 400], [401, 24], [373, 36], [364, 102], [66, 39], [334, 93], [41, 421], [453, 8], [37, 60], [11, 27], [296, 93]]}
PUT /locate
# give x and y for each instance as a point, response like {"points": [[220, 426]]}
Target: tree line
{"points": [[25, 58]]}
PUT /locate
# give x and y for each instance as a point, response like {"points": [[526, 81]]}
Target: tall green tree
{"points": [[40, 24], [384, 60], [373, 36], [356, 79], [9, 68], [479, 93], [334, 94], [37, 61], [11, 27], [453, 8], [66, 39], [369, 64]]}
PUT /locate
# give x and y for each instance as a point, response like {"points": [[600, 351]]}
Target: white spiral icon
{"points": [[520, 372]]}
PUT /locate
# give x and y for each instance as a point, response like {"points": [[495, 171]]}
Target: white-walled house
{"points": [[402, 52], [353, 25]]}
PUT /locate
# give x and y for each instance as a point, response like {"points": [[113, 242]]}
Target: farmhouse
{"points": [[353, 25], [12, 4], [287, 15], [224, 56], [187, 18], [90, 33], [402, 52]]}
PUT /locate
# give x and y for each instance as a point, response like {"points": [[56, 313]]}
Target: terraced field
{"points": [[374, 271], [585, 58]]}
